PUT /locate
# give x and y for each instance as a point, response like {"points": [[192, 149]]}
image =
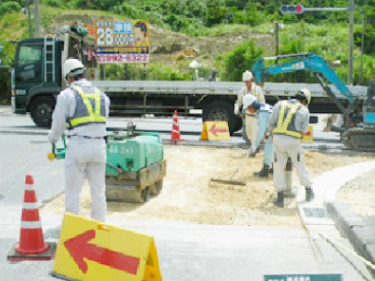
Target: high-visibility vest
{"points": [[285, 120], [85, 113]]}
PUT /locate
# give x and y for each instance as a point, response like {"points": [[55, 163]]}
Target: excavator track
{"points": [[360, 139]]}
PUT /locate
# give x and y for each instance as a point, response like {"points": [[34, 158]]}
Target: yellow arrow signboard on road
{"points": [[215, 130], [91, 250]]}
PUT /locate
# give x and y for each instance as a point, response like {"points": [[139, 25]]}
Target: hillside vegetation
{"points": [[239, 32]]}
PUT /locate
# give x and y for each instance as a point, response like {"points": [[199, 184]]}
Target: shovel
{"points": [[230, 181]]}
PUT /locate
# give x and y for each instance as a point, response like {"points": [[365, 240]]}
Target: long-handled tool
{"points": [[230, 181]]}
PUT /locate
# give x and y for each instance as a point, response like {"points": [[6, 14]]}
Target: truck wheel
{"points": [[222, 111], [41, 111]]}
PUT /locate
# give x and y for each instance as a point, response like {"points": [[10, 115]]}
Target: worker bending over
{"points": [[263, 113], [83, 109], [288, 123], [250, 118]]}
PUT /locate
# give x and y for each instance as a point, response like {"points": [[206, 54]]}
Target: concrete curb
{"points": [[352, 226]]}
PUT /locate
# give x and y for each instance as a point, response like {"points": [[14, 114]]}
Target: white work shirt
{"points": [[65, 108], [255, 91]]}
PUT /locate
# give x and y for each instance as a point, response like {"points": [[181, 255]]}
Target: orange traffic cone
{"points": [[175, 136], [31, 245]]}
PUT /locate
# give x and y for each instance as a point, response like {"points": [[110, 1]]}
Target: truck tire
{"points": [[222, 111], [41, 109]]}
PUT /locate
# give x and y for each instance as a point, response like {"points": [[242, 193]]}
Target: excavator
{"points": [[358, 130]]}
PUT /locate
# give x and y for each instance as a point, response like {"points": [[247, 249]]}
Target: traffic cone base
{"points": [[49, 254], [31, 245]]}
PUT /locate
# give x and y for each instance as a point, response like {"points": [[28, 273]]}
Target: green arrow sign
{"points": [[304, 277]]}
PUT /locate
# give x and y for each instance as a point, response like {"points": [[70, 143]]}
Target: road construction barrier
{"points": [[91, 250], [215, 130], [309, 136], [31, 245], [175, 135]]}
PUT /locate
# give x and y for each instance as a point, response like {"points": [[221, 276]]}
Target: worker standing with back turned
{"points": [[83, 109], [288, 124], [250, 118], [263, 113]]}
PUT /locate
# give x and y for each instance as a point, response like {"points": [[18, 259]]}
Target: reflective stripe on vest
{"points": [[85, 113], [286, 115]]}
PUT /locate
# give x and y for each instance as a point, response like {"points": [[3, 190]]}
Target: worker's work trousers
{"points": [[86, 158], [268, 152], [288, 147], [251, 126]]}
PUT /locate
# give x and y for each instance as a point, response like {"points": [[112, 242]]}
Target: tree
{"points": [[240, 59]]}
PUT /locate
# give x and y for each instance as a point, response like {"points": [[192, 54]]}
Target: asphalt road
{"points": [[185, 251]]}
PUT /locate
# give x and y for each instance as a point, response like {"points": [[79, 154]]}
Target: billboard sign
{"points": [[122, 41]]}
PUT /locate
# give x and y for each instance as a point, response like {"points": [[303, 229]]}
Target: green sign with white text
{"points": [[304, 277]]}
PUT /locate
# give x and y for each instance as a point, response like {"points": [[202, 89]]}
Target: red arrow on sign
{"points": [[79, 249], [214, 131]]}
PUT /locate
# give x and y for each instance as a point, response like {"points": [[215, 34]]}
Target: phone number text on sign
{"points": [[123, 58]]}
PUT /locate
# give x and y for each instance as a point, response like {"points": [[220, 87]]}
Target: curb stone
{"points": [[352, 226]]}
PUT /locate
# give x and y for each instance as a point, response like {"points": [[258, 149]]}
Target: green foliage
{"points": [[240, 59], [325, 33], [9, 6], [53, 3]]}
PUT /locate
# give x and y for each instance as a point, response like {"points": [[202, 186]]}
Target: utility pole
{"points": [[362, 46], [299, 9], [36, 11], [277, 37], [29, 18], [351, 41]]}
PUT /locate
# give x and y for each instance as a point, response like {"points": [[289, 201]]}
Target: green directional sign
{"points": [[304, 277]]}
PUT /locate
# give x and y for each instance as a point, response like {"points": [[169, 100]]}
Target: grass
{"points": [[329, 40]]}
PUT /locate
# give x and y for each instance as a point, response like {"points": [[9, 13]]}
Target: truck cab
{"points": [[37, 78]]}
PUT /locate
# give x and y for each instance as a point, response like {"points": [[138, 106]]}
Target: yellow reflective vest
{"points": [[285, 120], [90, 108]]}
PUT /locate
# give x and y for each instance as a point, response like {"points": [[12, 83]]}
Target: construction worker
{"points": [[83, 110], [263, 112], [288, 123], [250, 118]]}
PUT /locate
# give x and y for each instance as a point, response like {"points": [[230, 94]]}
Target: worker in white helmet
{"points": [[263, 113], [288, 124], [83, 110], [256, 91]]}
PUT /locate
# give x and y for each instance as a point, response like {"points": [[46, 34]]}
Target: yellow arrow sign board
{"points": [[91, 250], [215, 130]]}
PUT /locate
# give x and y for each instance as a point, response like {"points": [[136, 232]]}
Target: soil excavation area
{"points": [[188, 195]]}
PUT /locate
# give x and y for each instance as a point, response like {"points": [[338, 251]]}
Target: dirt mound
{"points": [[166, 44], [188, 196]]}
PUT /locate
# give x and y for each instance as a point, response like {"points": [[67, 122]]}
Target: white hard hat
{"points": [[306, 94], [247, 76], [73, 67], [248, 100]]}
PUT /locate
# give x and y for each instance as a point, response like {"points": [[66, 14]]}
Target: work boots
{"points": [[279, 200], [309, 193], [263, 173]]}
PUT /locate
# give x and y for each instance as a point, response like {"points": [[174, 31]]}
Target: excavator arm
{"points": [[317, 65], [356, 133]]}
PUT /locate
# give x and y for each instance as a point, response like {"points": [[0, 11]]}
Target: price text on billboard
{"points": [[125, 41]]}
